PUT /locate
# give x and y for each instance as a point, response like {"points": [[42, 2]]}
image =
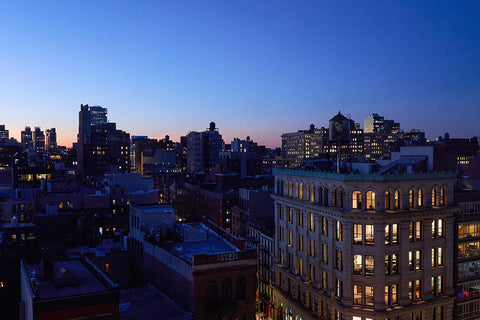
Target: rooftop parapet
{"points": [[367, 177]]}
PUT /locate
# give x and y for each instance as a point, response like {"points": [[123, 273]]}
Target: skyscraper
{"points": [[101, 147], [305, 143], [27, 138], [38, 140], [203, 149], [51, 139], [3, 133], [375, 123]]}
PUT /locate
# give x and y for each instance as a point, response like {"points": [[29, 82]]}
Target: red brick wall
{"points": [[232, 309], [89, 311]]}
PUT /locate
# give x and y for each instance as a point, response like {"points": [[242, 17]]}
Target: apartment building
{"points": [[364, 247]]}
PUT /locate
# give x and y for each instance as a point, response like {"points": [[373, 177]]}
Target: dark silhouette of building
{"points": [[203, 149], [51, 140], [27, 138], [3, 132], [101, 147], [38, 140]]}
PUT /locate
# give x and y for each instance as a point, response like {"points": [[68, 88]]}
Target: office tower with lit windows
{"points": [[302, 144], [342, 133], [3, 132], [51, 140], [27, 138], [101, 147], [203, 149], [38, 140], [364, 246], [375, 123]]}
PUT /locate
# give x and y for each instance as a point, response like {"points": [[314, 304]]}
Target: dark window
{"points": [[212, 291], [241, 283], [226, 288]]}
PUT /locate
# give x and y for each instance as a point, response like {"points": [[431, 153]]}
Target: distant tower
{"points": [[51, 139], [101, 147], [3, 133], [38, 140], [203, 149], [27, 138]]}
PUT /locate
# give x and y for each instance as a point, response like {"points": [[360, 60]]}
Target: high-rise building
{"points": [[203, 149], [38, 140], [101, 147], [3, 133], [51, 139], [27, 138], [364, 247], [375, 123], [302, 144], [135, 152]]}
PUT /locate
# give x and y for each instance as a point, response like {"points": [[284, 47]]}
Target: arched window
{"points": [[211, 291], [320, 195], [334, 197], [356, 200], [325, 197], [241, 284], [308, 192], [388, 195], [443, 197], [340, 198], [370, 200], [411, 198], [398, 200], [300, 191], [420, 198], [434, 197], [290, 189], [312, 193], [226, 289], [289, 314], [296, 190]]}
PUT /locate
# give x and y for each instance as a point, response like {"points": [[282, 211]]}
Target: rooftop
{"points": [[367, 177], [156, 208], [147, 303], [46, 288], [198, 239]]}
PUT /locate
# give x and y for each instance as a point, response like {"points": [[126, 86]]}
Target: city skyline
{"points": [[256, 69]]}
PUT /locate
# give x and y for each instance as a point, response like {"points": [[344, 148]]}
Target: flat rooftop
{"points": [[156, 208], [46, 289], [366, 177], [147, 303], [201, 240]]}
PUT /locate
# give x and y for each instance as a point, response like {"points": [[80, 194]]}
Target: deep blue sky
{"points": [[257, 68]]}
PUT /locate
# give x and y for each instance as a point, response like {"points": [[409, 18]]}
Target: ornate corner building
{"points": [[364, 247]]}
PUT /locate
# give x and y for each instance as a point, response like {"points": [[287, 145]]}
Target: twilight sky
{"points": [[258, 68]]}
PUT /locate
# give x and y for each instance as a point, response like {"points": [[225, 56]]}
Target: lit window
{"points": [[370, 200], [356, 200], [357, 234]]}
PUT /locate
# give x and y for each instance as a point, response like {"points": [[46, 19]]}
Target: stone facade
{"points": [[359, 247]]}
